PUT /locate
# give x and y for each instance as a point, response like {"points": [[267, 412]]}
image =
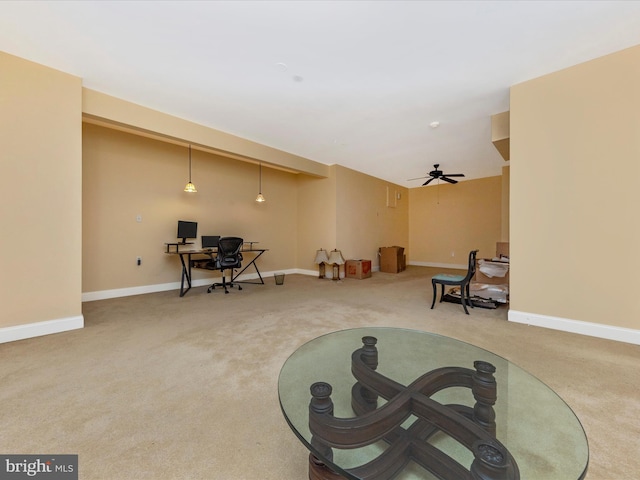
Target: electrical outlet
{"points": [[139, 261], [139, 218], [453, 254]]}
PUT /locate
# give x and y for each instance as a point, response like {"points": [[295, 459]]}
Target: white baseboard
{"points": [[30, 330], [163, 287], [313, 273], [201, 282], [456, 266], [608, 332], [127, 292]]}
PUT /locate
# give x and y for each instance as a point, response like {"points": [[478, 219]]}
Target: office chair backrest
{"points": [[229, 255]]}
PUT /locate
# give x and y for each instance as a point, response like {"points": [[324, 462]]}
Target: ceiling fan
{"points": [[438, 174]]}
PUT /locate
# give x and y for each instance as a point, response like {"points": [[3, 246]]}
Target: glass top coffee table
{"points": [[382, 403]]}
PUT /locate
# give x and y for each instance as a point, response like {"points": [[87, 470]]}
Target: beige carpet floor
{"points": [[161, 387]]}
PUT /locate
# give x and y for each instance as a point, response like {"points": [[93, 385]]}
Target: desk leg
{"points": [[252, 262], [257, 271], [186, 274]]}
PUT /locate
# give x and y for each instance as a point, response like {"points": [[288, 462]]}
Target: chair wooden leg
{"points": [[433, 284], [442, 292], [463, 300]]}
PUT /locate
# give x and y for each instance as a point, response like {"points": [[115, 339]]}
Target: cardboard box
{"points": [[502, 249], [358, 269], [392, 259]]}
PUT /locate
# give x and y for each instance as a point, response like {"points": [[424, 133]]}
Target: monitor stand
{"points": [[177, 245]]}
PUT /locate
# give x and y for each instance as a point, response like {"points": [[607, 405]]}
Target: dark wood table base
{"points": [[473, 427]]}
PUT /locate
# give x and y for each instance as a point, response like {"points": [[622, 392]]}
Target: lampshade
{"points": [[190, 187], [321, 256], [335, 257]]}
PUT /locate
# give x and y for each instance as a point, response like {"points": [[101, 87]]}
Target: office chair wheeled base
{"points": [[224, 285]]}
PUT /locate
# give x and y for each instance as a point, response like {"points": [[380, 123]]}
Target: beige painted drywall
{"points": [[371, 213], [40, 181], [107, 110], [506, 187], [448, 221], [574, 229], [316, 217], [126, 176]]}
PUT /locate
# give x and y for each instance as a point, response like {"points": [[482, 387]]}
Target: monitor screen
{"points": [[210, 241], [187, 230]]}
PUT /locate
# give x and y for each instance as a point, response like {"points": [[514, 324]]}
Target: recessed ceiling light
{"points": [[281, 66], [297, 78], [434, 124]]}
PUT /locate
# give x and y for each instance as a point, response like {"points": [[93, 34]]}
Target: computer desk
{"points": [[188, 262]]}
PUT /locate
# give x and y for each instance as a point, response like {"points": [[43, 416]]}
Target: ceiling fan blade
{"points": [[448, 180], [419, 178], [428, 181], [454, 175]]}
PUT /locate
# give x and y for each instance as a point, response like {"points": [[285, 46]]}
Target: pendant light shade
{"points": [[260, 198], [190, 187]]}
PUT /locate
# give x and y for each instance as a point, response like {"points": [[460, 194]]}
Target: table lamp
{"points": [[321, 259], [335, 258]]}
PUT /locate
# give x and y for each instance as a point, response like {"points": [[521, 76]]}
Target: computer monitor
{"points": [[210, 241], [187, 230]]}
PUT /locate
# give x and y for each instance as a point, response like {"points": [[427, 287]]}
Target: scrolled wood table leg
{"points": [[319, 471]]}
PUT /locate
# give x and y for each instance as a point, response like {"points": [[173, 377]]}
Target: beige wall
{"points": [[316, 217], [364, 221], [348, 211], [40, 181], [575, 146], [126, 175], [117, 113], [448, 221], [506, 187]]}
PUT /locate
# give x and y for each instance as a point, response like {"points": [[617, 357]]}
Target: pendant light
{"points": [[260, 198], [190, 188]]}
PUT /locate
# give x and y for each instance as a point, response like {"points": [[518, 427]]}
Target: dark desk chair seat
{"points": [[228, 257], [462, 281]]}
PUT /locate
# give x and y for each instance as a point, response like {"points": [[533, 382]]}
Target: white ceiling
{"points": [[355, 83]]}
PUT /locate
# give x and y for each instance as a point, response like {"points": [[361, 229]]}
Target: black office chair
{"points": [[228, 258], [462, 281]]}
